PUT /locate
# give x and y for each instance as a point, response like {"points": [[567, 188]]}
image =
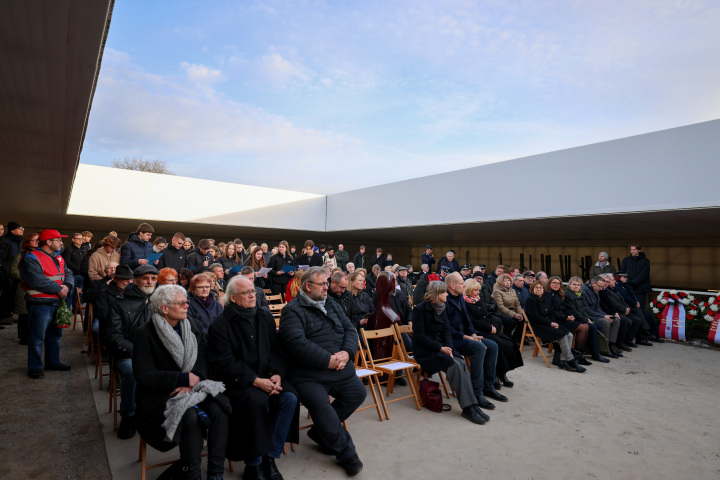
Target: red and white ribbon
{"points": [[672, 321], [714, 333]]}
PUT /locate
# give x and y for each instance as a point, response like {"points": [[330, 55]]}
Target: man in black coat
{"points": [[170, 358], [174, 255], [201, 258], [320, 343], [260, 298], [360, 259], [129, 312], [338, 291], [309, 257], [428, 258], [638, 272], [244, 354]]}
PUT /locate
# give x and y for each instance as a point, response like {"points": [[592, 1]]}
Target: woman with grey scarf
{"points": [[176, 405]]}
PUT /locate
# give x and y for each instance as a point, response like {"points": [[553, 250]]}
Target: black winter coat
{"points": [[133, 250], [314, 260], [419, 291], [277, 262], [638, 270], [309, 337], [573, 305], [540, 313], [361, 306], [157, 375], [205, 315], [431, 332], [130, 311], [459, 320], [344, 300], [559, 313], [360, 260], [342, 258], [175, 258], [196, 260], [73, 257], [238, 354]]}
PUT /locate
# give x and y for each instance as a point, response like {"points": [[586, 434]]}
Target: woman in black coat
{"points": [[279, 278], [579, 329], [361, 305], [229, 260], [539, 311], [244, 354], [432, 349], [509, 356], [573, 305], [159, 376]]}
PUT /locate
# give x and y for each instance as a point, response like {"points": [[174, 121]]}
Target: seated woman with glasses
{"points": [[508, 304], [203, 305], [432, 349], [573, 305], [539, 311], [362, 305], [167, 276], [170, 366], [579, 327], [490, 327]]}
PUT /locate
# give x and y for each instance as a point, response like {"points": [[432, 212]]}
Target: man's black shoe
{"points": [[578, 368], [629, 344], [36, 374], [583, 361], [497, 384], [622, 347], [495, 395], [642, 341], [271, 470], [59, 367], [481, 413], [485, 403], [352, 465], [126, 429], [471, 414], [254, 473]]}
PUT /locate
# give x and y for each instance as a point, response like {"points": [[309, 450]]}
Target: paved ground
{"points": [[650, 415]]}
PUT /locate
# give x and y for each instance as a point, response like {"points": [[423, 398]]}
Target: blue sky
{"points": [[329, 96]]}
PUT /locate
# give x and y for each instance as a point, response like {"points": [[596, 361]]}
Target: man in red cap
{"points": [[46, 281]]}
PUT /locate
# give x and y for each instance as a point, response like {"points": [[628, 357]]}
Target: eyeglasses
{"points": [[248, 293], [179, 303], [320, 284]]}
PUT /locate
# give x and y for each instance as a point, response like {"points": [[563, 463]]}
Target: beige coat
{"points": [[506, 300], [98, 260]]}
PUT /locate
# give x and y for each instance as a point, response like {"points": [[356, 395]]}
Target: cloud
{"points": [[279, 71], [202, 73]]}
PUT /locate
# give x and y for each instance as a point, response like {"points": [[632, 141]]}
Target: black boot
{"points": [[599, 358], [556, 357], [577, 367], [506, 381], [564, 365]]}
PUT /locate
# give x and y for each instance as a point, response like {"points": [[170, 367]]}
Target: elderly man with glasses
{"points": [[320, 344], [245, 355]]}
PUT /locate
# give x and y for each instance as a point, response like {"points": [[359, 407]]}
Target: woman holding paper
{"points": [[229, 260], [283, 268], [257, 262]]}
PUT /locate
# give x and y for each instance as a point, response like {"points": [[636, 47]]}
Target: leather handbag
{"points": [[431, 396]]}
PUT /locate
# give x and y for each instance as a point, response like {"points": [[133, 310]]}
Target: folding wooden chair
{"points": [[537, 343], [79, 308], [393, 364], [372, 377], [274, 298], [276, 310], [267, 291]]}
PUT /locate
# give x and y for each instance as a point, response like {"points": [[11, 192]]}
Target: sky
{"points": [[330, 96]]}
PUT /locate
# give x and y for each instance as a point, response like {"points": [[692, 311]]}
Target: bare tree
{"points": [[142, 165]]}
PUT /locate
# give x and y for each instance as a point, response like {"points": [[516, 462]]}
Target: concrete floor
{"points": [[649, 415]]}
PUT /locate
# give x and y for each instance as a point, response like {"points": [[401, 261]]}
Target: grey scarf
{"points": [[184, 351], [439, 308], [319, 304]]}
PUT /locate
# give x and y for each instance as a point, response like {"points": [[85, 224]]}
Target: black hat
{"points": [[467, 266], [529, 273], [13, 225], [622, 273], [143, 269], [482, 266], [428, 247], [446, 269], [409, 267], [478, 274], [400, 268], [123, 272]]}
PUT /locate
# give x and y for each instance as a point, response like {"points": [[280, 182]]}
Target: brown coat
{"points": [[507, 300], [98, 260]]}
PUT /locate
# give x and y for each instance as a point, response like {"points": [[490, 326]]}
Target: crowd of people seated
{"points": [[189, 331]]}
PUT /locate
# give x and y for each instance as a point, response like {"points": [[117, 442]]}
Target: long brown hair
{"points": [[255, 264]]}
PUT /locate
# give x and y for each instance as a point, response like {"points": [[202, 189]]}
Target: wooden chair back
{"points": [[537, 343]]}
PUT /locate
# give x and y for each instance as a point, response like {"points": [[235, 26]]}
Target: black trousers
{"points": [[190, 434], [327, 417]]}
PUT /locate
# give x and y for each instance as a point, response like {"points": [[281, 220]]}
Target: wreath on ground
{"points": [[710, 308], [675, 296]]}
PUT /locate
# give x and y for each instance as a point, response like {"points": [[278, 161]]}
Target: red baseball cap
{"points": [[49, 234]]}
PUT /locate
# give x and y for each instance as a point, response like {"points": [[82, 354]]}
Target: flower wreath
{"points": [[686, 299], [709, 308]]}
